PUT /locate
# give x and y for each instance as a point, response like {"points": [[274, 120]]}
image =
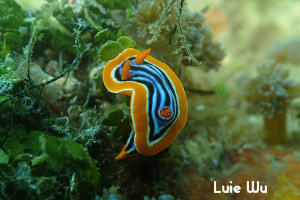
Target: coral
{"points": [[269, 93], [151, 28], [286, 51], [217, 150], [201, 40]]}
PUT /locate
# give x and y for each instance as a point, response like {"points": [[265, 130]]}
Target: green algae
{"points": [[12, 16], [3, 157], [109, 50], [113, 117], [126, 42], [18, 132], [12, 26], [13, 147], [31, 142], [63, 153], [49, 188], [20, 142], [39, 160], [104, 35]]}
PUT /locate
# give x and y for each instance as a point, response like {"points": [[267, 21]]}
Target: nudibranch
{"points": [[158, 102]]}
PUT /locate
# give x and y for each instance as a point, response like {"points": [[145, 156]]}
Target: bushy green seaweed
{"points": [[117, 4], [3, 157], [113, 117], [11, 27], [63, 153], [12, 16]]}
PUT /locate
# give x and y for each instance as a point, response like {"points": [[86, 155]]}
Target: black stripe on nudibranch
{"points": [[161, 94], [130, 146]]}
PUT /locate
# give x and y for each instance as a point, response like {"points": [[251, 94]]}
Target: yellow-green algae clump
{"points": [[269, 93], [111, 49]]}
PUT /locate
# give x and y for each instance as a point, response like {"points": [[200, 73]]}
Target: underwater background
{"points": [[60, 129]]}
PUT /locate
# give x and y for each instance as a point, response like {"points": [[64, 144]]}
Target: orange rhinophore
{"points": [[126, 71], [141, 57]]}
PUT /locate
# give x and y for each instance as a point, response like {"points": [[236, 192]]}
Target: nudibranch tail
{"points": [[122, 154], [125, 75], [140, 58], [158, 104], [129, 148]]}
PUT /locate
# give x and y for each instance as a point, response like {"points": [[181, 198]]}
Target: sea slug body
{"points": [[158, 101]]}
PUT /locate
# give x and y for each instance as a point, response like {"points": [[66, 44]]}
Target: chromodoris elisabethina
{"points": [[158, 101]]}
